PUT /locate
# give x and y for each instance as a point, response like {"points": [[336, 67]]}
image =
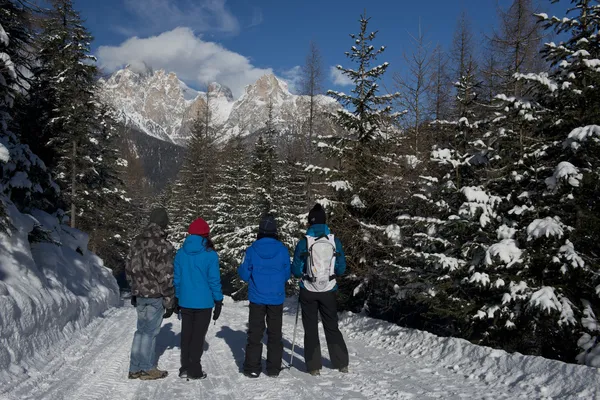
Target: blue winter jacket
{"points": [[301, 253], [266, 268], [197, 278]]}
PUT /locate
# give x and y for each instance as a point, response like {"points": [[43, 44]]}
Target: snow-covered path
{"points": [[387, 362]]}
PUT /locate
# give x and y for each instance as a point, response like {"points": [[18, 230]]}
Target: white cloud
{"points": [[194, 60], [155, 16], [338, 78], [293, 77]]}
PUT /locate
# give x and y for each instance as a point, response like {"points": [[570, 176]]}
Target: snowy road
{"points": [[386, 362]]}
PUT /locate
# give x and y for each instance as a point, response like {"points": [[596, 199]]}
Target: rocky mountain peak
{"points": [[159, 104], [220, 90]]}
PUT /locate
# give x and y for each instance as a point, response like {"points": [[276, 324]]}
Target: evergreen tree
{"points": [[24, 178], [193, 194], [365, 173], [264, 166], [61, 108], [236, 222]]}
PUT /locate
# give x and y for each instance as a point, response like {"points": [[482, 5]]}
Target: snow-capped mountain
{"points": [[159, 104]]}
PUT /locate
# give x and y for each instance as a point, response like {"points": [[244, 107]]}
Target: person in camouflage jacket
{"points": [[149, 272]]}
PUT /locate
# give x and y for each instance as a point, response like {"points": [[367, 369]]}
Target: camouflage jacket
{"points": [[149, 268]]}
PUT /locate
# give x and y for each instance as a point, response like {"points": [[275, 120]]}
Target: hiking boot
{"points": [[196, 377], [316, 372], [183, 374], [134, 375], [252, 375], [344, 370], [153, 374], [272, 374]]}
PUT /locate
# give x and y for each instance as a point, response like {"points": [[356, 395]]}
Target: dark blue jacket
{"points": [[197, 278], [301, 253], [266, 268]]}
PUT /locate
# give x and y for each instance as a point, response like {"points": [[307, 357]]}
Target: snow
{"points": [[479, 203], [542, 78], [356, 202], [568, 252], [506, 251], [3, 37], [48, 290], [545, 227], [481, 278], [546, 299], [4, 153], [565, 171], [394, 233], [340, 185], [582, 134], [386, 362], [505, 232]]}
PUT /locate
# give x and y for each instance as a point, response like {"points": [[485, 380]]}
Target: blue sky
{"points": [[236, 41]]}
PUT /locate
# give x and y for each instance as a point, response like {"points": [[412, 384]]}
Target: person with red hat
{"points": [[197, 282]]}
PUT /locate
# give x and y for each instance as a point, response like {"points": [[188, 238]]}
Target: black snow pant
{"points": [[256, 330], [194, 325], [325, 303]]}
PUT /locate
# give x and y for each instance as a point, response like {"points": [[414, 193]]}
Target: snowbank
{"points": [[526, 374], [48, 288]]}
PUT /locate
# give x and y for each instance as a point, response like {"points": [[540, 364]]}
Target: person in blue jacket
{"points": [[316, 300], [266, 268], [197, 281]]}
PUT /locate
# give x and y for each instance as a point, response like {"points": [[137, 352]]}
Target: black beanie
{"points": [[159, 217], [317, 215], [267, 227]]}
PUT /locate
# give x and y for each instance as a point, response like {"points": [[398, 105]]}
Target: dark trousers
{"points": [[325, 303], [256, 328], [194, 325]]}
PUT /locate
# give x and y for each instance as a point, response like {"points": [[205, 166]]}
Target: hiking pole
{"points": [[294, 336]]}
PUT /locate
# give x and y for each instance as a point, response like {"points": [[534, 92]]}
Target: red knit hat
{"points": [[199, 227]]}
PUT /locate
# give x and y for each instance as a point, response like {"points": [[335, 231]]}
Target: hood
{"points": [[318, 230], [266, 248], [154, 231], [194, 244]]}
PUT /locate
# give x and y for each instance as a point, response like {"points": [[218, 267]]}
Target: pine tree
{"points": [[24, 178], [363, 206], [236, 222], [265, 165], [61, 106], [106, 211], [193, 194]]}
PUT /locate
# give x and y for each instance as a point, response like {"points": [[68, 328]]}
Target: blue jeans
{"points": [[150, 315]]}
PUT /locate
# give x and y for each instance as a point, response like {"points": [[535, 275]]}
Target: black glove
{"points": [[168, 313], [217, 310], [134, 301], [176, 307]]}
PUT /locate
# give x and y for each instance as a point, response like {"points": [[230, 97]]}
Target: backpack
{"points": [[320, 265]]}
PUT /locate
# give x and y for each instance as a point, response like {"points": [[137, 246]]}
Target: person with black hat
{"points": [[318, 259], [149, 271], [266, 268]]}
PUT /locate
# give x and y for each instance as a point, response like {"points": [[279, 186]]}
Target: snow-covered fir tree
{"points": [[24, 178], [193, 194], [236, 222], [363, 211], [264, 165], [61, 106]]}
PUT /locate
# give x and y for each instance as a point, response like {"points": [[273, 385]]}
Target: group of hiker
{"points": [[188, 282]]}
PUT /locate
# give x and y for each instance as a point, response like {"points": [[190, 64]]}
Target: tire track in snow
{"points": [[94, 365], [71, 364]]}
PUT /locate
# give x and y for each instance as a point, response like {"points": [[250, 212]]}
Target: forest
{"points": [[466, 194]]}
